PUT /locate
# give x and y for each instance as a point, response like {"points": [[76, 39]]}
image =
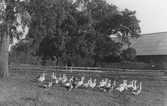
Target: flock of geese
{"points": [[105, 85]]}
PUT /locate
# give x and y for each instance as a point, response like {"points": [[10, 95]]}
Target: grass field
{"points": [[21, 90]]}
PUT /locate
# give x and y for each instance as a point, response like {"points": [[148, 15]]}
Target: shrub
{"points": [[128, 65], [128, 54]]}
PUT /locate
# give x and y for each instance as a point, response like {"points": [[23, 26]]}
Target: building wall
{"points": [[152, 58]]}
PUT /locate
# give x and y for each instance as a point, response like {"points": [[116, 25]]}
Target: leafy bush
{"points": [[134, 65], [128, 54], [78, 61], [128, 65], [159, 66]]}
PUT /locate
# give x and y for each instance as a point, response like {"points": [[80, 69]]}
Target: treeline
{"points": [[64, 32]]}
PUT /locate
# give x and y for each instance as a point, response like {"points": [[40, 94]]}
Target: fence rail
{"points": [[86, 69]]}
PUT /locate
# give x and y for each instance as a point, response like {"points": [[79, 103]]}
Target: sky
{"points": [[151, 13]]}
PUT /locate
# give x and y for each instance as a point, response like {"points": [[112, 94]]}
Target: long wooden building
{"points": [[150, 47]]}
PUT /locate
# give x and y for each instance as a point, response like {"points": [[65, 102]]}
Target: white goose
{"points": [[134, 85], [56, 81], [79, 83], [130, 85], [71, 79], [122, 86], [108, 84], [114, 84], [41, 78], [49, 84], [59, 79], [92, 85], [124, 83], [138, 90], [105, 82], [109, 89], [68, 85], [101, 84], [90, 80], [64, 79], [53, 76], [86, 85]]}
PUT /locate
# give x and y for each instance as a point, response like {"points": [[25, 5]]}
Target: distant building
{"points": [[151, 48]]}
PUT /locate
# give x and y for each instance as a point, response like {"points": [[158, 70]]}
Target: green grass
{"points": [[20, 90]]}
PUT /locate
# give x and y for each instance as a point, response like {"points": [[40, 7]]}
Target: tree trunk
{"points": [[25, 58], [43, 62], [57, 63], [4, 72], [95, 60]]}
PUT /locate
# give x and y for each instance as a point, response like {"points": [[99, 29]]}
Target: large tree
{"points": [[12, 15], [48, 27], [63, 28], [64, 31], [105, 20]]}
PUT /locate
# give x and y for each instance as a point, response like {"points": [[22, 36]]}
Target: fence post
{"points": [[118, 74], [71, 68]]}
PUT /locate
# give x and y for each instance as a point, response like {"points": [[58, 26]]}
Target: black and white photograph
{"points": [[83, 52]]}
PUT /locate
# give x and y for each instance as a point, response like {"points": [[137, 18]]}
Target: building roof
{"points": [[150, 44]]}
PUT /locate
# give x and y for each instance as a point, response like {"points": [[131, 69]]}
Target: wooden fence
{"points": [[118, 72]]}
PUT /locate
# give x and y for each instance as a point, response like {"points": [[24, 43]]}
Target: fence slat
{"points": [[88, 69]]}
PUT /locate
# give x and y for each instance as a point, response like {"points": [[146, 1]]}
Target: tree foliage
{"points": [[21, 52], [128, 54], [64, 30], [105, 20]]}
